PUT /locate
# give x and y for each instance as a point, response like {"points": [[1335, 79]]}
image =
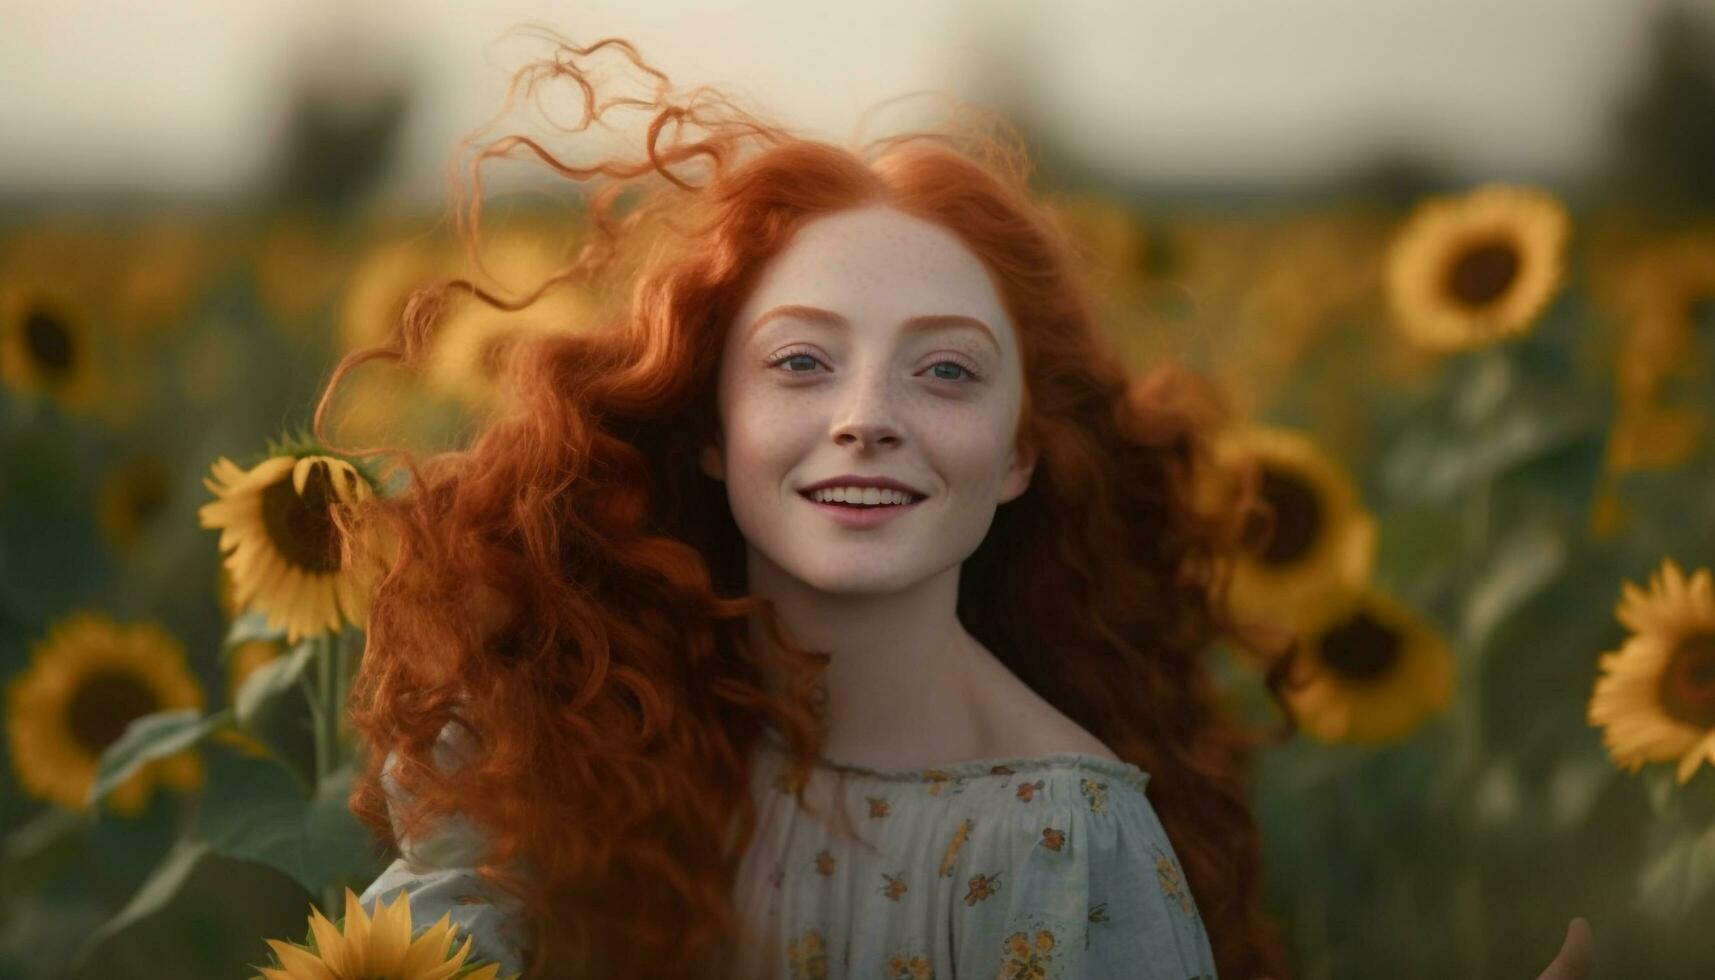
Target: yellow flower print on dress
{"points": [[1052, 839], [824, 863], [982, 886], [957, 842], [807, 956], [878, 807], [1173, 883], [895, 886], [1028, 791], [938, 781], [914, 968], [1027, 958], [787, 780], [1096, 793]]}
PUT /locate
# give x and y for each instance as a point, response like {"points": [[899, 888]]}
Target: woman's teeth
{"points": [[861, 496]]}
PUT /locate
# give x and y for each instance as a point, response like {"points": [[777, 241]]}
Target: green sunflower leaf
{"points": [[255, 810], [34, 852], [253, 626], [156, 891], [270, 681], [1525, 561], [1681, 874], [153, 736]]}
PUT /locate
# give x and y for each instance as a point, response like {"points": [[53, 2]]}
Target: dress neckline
{"points": [[994, 766]]}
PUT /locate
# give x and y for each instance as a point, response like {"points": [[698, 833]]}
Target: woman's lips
{"points": [[861, 517]]}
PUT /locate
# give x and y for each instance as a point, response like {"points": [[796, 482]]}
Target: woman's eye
{"points": [[806, 363], [798, 362], [956, 368]]}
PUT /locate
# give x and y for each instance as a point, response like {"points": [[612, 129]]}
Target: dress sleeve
{"points": [[1098, 893], [439, 874]]}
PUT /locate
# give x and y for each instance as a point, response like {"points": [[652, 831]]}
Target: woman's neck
{"points": [[903, 677]]}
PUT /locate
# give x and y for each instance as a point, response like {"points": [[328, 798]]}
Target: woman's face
{"points": [[874, 345]]}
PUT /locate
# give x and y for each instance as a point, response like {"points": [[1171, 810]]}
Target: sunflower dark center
{"points": [[48, 341], [1297, 518], [1483, 272], [301, 527], [1361, 648], [1688, 683], [103, 705]]}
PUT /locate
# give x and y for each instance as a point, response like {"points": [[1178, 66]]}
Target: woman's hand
{"points": [[1573, 961]]}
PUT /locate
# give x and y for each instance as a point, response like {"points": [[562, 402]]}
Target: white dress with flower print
{"points": [[1032, 868], [1029, 868]]}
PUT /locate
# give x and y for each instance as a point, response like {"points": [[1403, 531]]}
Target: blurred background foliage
{"points": [[1501, 490]]}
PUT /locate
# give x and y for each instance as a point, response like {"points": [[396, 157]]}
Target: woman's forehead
{"points": [[877, 264]]}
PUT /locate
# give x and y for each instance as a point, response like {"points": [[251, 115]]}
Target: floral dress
{"points": [[1018, 869], [1033, 868]]}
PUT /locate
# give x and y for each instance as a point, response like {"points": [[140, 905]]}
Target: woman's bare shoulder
{"points": [[1020, 722]]}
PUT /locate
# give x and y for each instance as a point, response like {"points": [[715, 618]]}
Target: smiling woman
{"points": [[736, 708], [873, 300]]}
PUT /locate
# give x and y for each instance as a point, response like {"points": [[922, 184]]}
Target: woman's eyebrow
{"points": [[927, 321]]}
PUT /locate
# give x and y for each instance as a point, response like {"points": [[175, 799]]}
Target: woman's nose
{"points": [[866, 416]]}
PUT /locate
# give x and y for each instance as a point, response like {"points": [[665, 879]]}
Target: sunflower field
{"points": [[1482, 415]]}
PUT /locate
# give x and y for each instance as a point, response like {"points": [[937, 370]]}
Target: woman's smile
{"points": [[860, 515]]}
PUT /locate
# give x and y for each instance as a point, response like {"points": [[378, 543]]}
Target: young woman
{"points": [[834, 608]]}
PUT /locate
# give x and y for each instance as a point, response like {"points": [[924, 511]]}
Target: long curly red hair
{"points": [[570, 588]]}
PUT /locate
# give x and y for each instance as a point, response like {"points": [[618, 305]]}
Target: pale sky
{"points": [[186, 96]]}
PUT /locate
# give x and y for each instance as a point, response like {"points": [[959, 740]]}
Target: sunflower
{"points": [[1655, 294], [281, 545], [47, 344], [1466, 271], [133, 494], [1655, 297], [1317, 546], [1655, 699], [382, 947], [89, 679], [473, 339], [1369, 673]]}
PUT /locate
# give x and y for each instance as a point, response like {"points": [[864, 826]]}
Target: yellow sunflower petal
{"points": [[1704, 750], [356, 921], [389, 935], [428, 952], [300, 963], [331, 945]]}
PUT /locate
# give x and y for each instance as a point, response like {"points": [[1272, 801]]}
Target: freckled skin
{"points": [[869, 399]]}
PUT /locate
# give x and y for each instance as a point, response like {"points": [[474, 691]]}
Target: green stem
{"points": [[326, 711], [1470, 913], [323, 712]]}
